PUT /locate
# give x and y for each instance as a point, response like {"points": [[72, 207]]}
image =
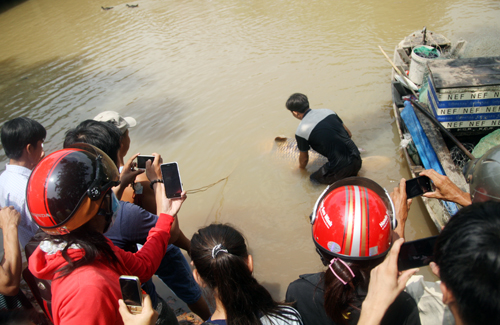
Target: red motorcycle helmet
{"points": [[66, 189], [353, 219]]}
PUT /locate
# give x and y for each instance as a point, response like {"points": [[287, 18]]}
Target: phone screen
{"points": [[418, 186], [416, 253], [141, 161], [171, 180], [131, 290]]}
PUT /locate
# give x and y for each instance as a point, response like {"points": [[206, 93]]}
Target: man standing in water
{"points": [[323, 131]]}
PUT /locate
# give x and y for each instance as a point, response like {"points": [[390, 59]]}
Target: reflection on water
{"points": [[207, 82]]}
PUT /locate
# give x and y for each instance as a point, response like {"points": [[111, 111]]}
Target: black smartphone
{"points": [[416, 253], [418, 186], [141, 161], [171, 180], [131, 293]]}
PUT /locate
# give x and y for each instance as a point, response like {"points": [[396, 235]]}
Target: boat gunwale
{"points": [[435, 208]]}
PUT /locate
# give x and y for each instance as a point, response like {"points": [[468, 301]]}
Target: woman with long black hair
{"points": [[223, 264]]}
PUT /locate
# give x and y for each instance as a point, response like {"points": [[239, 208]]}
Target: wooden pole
{"points": [[396, 69]]}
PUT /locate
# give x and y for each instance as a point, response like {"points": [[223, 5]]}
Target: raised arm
{"points": [[127, 176], [164, 205], [386, 283], [11, 264], [445, 189], [401, 206]]}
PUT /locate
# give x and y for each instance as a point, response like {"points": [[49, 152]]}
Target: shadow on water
{"points": [[61, 93], [6, 5]]}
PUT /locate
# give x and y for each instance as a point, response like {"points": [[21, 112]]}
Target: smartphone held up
{"points": [[418, 186], [141, 161], [171, 180], [416, 253]]}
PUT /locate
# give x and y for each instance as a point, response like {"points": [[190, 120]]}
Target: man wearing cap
{"points": [[139, 192], [142, 196], [123, 124]]}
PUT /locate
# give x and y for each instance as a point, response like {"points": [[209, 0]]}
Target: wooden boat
{"points": [[437, 209]]}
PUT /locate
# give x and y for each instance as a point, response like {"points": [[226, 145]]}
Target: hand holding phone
{"points": [[141, 160], [418, 186], [171, 180], [153, 172], [131, 293], [148, 316]]}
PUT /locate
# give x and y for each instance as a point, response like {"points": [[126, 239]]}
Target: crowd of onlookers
{"points": [[84, 216]]}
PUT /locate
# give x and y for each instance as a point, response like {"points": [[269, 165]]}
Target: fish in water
{"points": [[106, 8], [132, 6], [286, 149]]}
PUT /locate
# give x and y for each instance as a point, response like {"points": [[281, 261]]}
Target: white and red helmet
{"points": [[353, 219]]}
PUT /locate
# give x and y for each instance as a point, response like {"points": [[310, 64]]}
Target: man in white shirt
{"points": [[22, 139]]}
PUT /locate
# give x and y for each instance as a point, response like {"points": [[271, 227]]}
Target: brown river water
{"points": [[207, 83]]}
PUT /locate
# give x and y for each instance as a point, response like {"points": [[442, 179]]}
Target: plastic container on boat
{"points": [[420, 55], [464, 94]]}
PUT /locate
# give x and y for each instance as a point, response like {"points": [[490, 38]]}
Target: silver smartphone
{"points": [[171, 180], [131, 293]]}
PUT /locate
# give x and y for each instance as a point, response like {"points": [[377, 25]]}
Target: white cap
{"points": [[123, 123]]}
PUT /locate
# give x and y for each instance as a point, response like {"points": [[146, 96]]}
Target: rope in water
{"points": [[204, 188]]}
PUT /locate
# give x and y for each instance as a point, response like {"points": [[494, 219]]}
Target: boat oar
{"points": [[442, 128]]}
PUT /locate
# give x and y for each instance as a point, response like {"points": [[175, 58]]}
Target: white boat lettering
{"points": [[468, 110]]}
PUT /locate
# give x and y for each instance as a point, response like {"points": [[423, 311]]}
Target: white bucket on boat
{"points": [[418, 64]]}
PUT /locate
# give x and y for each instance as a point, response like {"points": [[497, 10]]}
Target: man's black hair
{"points": [[102, 135], [468, 255], [18, 133], [297, 103]]}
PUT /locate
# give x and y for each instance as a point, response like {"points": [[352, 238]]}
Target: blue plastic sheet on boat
{"points": [[424, 147]]}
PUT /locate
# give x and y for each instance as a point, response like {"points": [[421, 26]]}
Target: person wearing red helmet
{"points": [[353, 223], [69, 196]]}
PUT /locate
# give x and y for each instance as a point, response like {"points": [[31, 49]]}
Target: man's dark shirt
{"points": [[323, 131]]}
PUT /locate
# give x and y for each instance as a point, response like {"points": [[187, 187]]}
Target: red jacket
{"points": [[89, 294]]}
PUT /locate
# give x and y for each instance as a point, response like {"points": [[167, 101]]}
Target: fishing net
{"points": [[422, 95], [458, 156], [486, 143]]}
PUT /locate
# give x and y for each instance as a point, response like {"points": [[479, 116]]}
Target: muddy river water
{"points": [[207, 83]]}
